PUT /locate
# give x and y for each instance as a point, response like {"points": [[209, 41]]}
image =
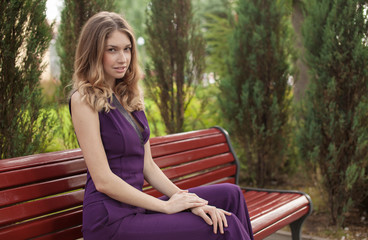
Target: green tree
{"points": [[335, 133], [134, 13], [73, 17], [255, 95], [301, 75], [176, 48], [24, 37], [219, 24]]}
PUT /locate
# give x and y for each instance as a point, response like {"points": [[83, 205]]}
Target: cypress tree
{"points": [[219, 25], [335, 133], [134, 13], [24, 38], [254, 96], [73, 17], [176, 48], [301, 75]]}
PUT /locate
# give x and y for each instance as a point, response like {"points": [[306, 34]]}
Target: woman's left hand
{"points": [[212, 216]]}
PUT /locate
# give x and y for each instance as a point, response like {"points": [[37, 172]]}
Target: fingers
{"points": [[223, 217], [226, 212], [183, 200], [194, 205], [196, 196], [211, 215], [190, 195], [205, 217], [217, 217], [194, 199], [218, 220], [216, 223]]}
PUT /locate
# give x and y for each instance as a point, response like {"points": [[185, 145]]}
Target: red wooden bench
{"points": [[41, 195]]}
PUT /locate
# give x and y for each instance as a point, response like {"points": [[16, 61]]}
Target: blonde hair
{"points": [[88, 76]]}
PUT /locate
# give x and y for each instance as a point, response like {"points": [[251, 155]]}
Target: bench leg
{"points": [[296, 228]]}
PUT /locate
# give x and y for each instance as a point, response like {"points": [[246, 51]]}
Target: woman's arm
{"points": [[154, 175], [86, 125]]}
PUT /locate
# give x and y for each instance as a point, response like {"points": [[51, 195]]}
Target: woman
{"points": [[113, 133]]}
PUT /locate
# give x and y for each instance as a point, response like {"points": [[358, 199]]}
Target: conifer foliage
{"points": [[254, 96], [176, 48], [24, 37], [73, 17], [335, 133]]}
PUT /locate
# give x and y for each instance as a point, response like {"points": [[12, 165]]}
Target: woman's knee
{"points": [[231, 189], [235, 228]]}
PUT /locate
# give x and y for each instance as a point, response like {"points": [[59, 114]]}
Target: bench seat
{"points": [[41, 195]]}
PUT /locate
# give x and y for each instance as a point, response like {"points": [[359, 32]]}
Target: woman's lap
{"points": [[185, 225]]}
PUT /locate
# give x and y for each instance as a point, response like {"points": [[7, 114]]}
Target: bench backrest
{"points": [[41, 195]]}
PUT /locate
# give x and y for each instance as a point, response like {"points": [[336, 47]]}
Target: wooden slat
{"points": [[180, 136], [43, 226], [41, 173], [271, 205], [39, 159], [28, 210], [226, 180], [155, 193], [197, 166], [193, 167], [188, 156], [43, 189], [270, 211], [278, 213], [268, 198], [70, 233], [272, 228], [185, 145], [207, 178], [254, 196], [225, 174]]}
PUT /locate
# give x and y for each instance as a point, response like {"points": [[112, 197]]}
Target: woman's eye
{"points": [[128, 49], [111, 49]]}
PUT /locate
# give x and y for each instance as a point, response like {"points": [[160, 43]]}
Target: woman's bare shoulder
{"points": [[76, 98], [77, 102]]}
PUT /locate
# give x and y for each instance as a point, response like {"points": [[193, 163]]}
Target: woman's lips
{"points": [[120, 69]]}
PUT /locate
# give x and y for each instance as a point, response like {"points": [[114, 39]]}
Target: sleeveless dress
{"points": [[106, 218]]}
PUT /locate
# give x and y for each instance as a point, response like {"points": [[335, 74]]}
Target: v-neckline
{"points": [[128, 117]]}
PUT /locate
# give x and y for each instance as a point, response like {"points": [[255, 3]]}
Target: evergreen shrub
{"points": [[24, 37], [335, 134], [255, 93]]}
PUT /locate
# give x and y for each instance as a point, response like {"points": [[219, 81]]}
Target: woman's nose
{"points": [[122, 57]]}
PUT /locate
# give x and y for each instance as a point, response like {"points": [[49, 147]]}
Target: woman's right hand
{"points": [[213, 216], [183, 200]]}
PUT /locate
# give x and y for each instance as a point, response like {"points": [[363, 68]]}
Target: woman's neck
{"points": [[111, 83]]}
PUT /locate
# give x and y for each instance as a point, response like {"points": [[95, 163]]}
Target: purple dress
{"points": [[106, 218]]}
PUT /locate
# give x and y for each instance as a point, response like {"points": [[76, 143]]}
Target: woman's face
{"points": [[117, 56]]}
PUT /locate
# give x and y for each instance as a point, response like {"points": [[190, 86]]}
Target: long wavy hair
{"points": [[88, 76]]}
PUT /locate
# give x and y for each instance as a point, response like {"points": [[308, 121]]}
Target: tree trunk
{"points": [[301, 76]]}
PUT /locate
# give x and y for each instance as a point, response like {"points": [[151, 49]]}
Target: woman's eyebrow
{"points": [[115, 46]]}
